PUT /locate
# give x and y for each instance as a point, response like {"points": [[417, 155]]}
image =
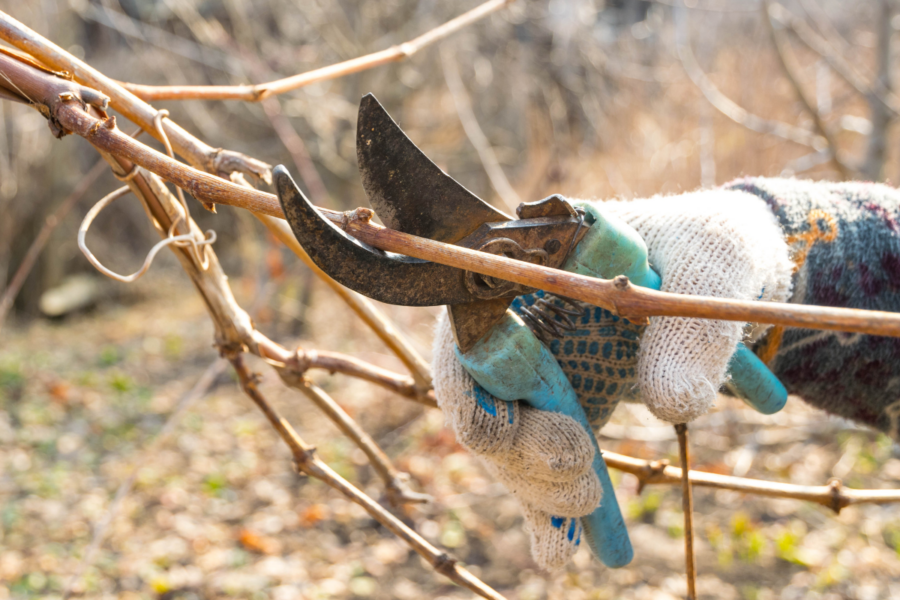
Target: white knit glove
{"points": [[719, 243], [713, 243], [543, 458]]}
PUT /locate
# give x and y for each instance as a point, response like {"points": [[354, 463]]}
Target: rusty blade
{"points": [[383, 276], [409, 192]]}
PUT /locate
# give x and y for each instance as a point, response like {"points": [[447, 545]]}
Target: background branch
{"points": [[789, 68], [473, 131], [880, 113], [37, 245], [728, 107], [255, 93], [832, 55]]}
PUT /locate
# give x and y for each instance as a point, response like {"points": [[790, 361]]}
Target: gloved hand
{"points": [[713, 243], [543, 458], [844, 244], [716, 243]]}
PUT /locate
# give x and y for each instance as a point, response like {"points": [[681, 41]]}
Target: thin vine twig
{"points": [[833, 495], [255, 93], [334, 362], [307, 462], [396, 483], [687, 507]]}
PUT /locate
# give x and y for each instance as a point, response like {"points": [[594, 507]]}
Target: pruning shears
{"points": [[413, 195]]}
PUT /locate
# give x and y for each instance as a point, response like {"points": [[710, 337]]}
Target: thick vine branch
{"points": [[255, 93], [617, 295], [310, 464]]}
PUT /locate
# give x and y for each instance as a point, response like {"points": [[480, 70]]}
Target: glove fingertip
{"points": [[554, 540]]}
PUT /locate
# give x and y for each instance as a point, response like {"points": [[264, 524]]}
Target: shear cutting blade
{"points": [[406, 189], [383, 276]]}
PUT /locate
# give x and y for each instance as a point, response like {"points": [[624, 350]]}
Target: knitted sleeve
{"points": [[845, 245]]}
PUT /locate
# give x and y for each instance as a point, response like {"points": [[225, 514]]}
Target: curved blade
{"points": [[383, 276], [408, 191]]}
